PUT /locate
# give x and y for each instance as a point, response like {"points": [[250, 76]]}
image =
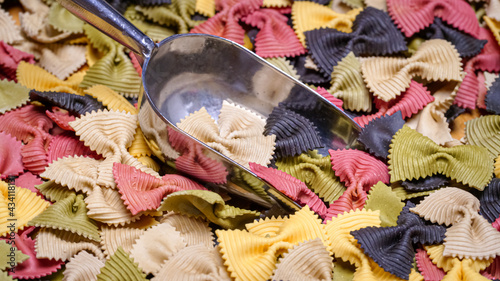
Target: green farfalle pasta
{"points": [[348, 85], [354, 3], [63, 20], [54, 191], [5, 260], [12, 95], [484, 131], [154, 31], [68, 214], [284, 65], [316, 172], [178, 14], [414, 156], [209, 205], [120, 267], [381, 197], [114, 70]]}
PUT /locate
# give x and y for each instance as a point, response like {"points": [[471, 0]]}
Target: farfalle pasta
{"points": [[388, 77], [385, 200], [10, 154], [470, 235], [83, 266], [121, 267]]}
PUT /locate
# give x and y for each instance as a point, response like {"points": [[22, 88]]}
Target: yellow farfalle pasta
{"points": [[238, 133], [25, 205], [457, 269], [155, 246], [431, 121], [105, 205], [62, 60], [307, 261], [196, 263], [309, 15], [470, 234], [205, 7], [113, 237], [345, 247], [111, 99], [12, 95], [62, 245], [139, 147], [10, 32], [348, 85], [266, 227], [497, 167], [276, 3], [494, 26], [194, 231], [83, 266], [35, 77], [244, 251], [435, 60]]}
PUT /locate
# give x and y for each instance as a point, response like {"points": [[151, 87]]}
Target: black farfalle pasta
{"points": [[153, 2], [378, 133], [308, 75], [466, 45], [453, 112], [490, 200], [322, 2], [295, 134], [392, 247], [373, 33], [424, 184], [493, 97], [74, 104]]}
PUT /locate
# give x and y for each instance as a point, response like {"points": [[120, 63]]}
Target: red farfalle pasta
{"points": [[492, 271], [68, 145], [32, 268], [291, 187], [226, 22], [141, 191], [429, 270], [10, 58], [61, 117], [324, 93], [10, 156], [275, 38], [487, 60], [193, 161], [410, 102], [359, 171], [412, 16], [29, 181]]}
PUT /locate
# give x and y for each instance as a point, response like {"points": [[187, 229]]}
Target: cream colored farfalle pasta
{"points": [[238, 133], [435, 60]]}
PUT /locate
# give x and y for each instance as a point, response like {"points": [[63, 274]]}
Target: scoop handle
{"points": [[104, 17]]}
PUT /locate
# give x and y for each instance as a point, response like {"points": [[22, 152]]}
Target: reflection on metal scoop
{"points": [[184, 73]]}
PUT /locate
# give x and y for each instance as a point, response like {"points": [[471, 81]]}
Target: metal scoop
{"points": [[184, 73]]}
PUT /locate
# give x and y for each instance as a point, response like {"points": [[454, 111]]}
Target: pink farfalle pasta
{"points": [[10, 156], [291, 187], [67, 145], [33, 267], [275, 38], [225, 22], [412, 16], [429, 270], [141, 191], [359, 171], [410, 102], [61, 117], [324, 93], [29, 181], [487, 60], [9, 60]]}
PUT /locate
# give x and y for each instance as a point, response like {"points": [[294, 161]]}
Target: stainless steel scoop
{"points": [[184, 73]]}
